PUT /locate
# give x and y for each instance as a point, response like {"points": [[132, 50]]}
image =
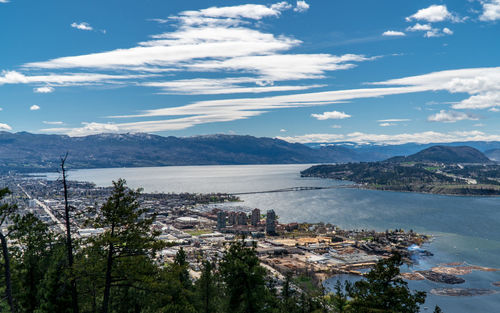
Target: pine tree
{"points": [[129, 245], [206, 290], [384, 290], [244, 280]]}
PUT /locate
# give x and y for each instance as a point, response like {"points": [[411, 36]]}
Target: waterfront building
{"points": [[221, 220], [242, 218], [271, 222], [232, 219], [255, 217]]}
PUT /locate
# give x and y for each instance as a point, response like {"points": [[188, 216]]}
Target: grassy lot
{"points": [[197, 232]]}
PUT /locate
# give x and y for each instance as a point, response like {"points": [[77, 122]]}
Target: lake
{"points": [[465, 229]]}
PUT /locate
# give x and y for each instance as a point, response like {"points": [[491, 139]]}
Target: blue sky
{"points": [[305, 71]]}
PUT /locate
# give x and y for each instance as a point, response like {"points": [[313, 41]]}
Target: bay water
{"points": [[464, 229]]}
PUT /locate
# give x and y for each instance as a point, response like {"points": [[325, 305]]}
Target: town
{"points": [[203, 224]]}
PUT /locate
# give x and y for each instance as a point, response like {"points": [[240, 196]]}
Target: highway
{"points": [[296, 189]]}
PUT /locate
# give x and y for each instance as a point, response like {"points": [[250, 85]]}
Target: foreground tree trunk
{"points": [[8, 283], [69, 242], [109, 268]]}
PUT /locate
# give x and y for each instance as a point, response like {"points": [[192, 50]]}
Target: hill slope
{"points": [[445, 154], [493, 154], [34, 152]]}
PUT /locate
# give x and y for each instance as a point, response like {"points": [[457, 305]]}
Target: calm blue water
{"points": [[466, 229]]}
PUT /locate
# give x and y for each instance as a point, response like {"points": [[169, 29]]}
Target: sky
{"points": [[386, 72]]}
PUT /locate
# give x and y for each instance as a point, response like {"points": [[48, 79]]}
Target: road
{"points": [[47, 210]]}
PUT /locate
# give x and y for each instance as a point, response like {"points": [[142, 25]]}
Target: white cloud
{"points": [[53, 122], [429, 30], [81, 26], [5, 126], [473, 81], [435, 32], [216, 39], [283, 130], [249, 11], [482, 100], [336, 126], [34, 107], [69, 79], [45, 89], [451, 117], [394, 120], [447, 31], [494, 110], [203, 86], [301, 6], [419, 27], [387, 124], [395, 139], [491, 10], [393, 33], [334, 115], [432, 14], [482, 84]]}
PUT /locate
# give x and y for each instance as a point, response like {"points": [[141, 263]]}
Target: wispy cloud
{"points": [[395, 139], [394, 120], [34, 107], [475, 82], [451, 117], [217, 39], [393, 33], [63, 79], [53, 122]]}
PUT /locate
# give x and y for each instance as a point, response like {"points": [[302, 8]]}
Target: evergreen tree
{"points": [[338, 299], [30, 259], [437, 309], [244, 280], [6, 210], [129, 246], [55, 289], [206, 290], [384, 291], [180, 261]]}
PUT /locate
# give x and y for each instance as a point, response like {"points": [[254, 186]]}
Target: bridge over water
{"points": [[296, 189]]}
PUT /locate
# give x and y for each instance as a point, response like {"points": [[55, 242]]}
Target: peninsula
{"points": [[438, 169]]}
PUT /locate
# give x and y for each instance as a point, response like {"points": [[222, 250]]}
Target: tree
{"points": [[244, 279], [129, 246], [31, 257], [69, 242], [55, 290], [338, 299], [206, 289], [180, 261], [437, 309], [384, 291], [6, 210]]}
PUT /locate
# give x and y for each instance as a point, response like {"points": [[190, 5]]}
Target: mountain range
{"points": [[27, 152]]}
